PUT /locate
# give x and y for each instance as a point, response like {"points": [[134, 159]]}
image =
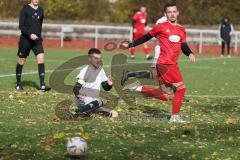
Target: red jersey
{"points": [[140, 21], [170, 38]]}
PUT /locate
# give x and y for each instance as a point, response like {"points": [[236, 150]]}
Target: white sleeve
{"points": [[103, 76], [161, 20], [80, 77]]}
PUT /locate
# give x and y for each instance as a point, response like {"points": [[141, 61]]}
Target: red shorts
{"points": [[168, 74], [138, 35]]}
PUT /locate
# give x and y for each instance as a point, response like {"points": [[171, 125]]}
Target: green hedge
{"points": [[192, 11]]}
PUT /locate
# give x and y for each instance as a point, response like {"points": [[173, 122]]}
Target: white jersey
{"points": [[91, 80]]}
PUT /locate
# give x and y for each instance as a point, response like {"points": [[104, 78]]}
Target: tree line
{"points": [[195, 12]]}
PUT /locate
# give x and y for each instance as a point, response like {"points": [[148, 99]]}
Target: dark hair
{"points": [[94, 51], [169, 4], [223, 20]]}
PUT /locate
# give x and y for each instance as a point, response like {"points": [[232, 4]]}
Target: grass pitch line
{"points": [[212, 96], [108, 66]]}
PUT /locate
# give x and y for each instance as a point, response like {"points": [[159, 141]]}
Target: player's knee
{"points": [[40, 58], [181, 87], [22, 61], [114, 114]]}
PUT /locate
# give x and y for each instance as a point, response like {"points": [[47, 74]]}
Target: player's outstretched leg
{"points": [[153, 92], [138, 74]]}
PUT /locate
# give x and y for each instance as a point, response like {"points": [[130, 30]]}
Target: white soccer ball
{"points": [[76, 146]]}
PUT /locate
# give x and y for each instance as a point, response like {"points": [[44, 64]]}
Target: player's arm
{"points": [[187, 51], [107, 83], [106, 86], [185, 48], [140, 41], [41, 21], [22, 18], [153, 33], [77, 88]]}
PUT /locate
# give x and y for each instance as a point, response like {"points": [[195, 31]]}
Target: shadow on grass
{"points": [[160, 113], [30, 84]]}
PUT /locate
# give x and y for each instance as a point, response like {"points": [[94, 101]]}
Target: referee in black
{"points": [[30, 24]]}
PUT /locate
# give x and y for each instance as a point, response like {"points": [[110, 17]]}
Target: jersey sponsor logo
{"points": [[168, 30], [174, 38], [143, 20]]}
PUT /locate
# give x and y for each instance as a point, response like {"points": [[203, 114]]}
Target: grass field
{"points": [[30, 129]]}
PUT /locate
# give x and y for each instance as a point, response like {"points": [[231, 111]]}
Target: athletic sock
{"points": [[41, 72], [147, 52], [177, 101], [89, 107], [132, 52], [19, 73], [157, 93]]}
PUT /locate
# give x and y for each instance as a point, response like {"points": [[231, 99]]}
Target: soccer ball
{"points": [[76, 146]]}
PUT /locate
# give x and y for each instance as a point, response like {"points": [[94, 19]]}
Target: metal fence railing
{"points": [[200, 37]]}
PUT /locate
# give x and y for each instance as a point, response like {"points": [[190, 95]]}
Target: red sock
{"points": [[146, 50], [177, 101], [132, 51], [157, 93]]}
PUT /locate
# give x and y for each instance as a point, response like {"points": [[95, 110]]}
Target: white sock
{"points": [[139, 89]]}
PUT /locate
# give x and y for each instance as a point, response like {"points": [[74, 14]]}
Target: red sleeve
{"points": [[135, 16], [184, 36], [155, 31]]}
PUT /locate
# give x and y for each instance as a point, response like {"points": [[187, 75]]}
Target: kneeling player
{"points": [[87, 87]]}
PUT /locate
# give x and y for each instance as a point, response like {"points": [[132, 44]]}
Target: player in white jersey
{"points": [[87, 88]]}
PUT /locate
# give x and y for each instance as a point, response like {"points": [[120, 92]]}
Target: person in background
{"points": [[226, 30], [139, 24]]}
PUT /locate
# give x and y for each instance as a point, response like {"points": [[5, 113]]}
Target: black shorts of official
{"points": [[26, 45]]}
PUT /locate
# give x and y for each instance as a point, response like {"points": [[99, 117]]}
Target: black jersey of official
{"points": [[30, 21]]}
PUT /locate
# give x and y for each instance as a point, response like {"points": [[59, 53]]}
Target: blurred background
{"points": [[95, 23]]}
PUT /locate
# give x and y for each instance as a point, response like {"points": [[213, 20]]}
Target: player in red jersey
{"points": [[172, 39], [139, 23]]}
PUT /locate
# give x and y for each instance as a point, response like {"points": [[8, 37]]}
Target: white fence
{"points": [[200, 37]]}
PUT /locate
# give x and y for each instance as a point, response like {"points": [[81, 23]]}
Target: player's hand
{"points": [[110, 81], [33, 37], [124, 45], [81, 96], [134, 30], [192, 58]]}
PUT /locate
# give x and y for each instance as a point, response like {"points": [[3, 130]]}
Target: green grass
{"points": [[29, 128]]}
